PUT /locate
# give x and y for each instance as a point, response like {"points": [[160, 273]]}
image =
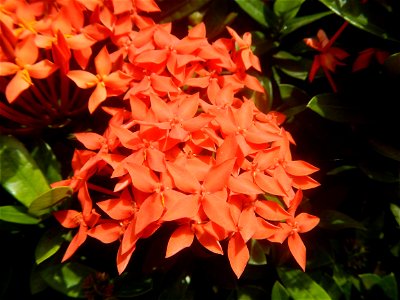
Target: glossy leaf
{"points": [[263, 101], [126, 287], [385, 149], [330, 107], [218, 16], [17, 214], [287, 9], [257, 254], [42, 204], [19, 173], [380, 172], [36, 282], [298, 22], [47, 162], [341, 169], [256, 9], [392, 64], [294, 100], [48, 245], [67, 278], [396, 212], [291, 65], [301, 286], [279, 292], [362, 16], [335, 220]]}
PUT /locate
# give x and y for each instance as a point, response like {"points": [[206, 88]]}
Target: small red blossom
{"points": [[329, 57]]}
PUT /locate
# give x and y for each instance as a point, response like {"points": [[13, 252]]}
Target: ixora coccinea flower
{"points": [[183, 147]]}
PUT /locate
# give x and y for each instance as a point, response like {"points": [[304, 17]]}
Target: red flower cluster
{"points": [[183, 145]]}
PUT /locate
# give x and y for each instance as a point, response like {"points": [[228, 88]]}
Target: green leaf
{"points": [[287, 9], [335, 220], [368, 17], [127, 287], [330, 106], [42, 204], [387, 283], [217, 17], [396, 212], [257, 254], [296, 23], [36, 282], [291, 65], [19, 174], [250, 292], [340, 169], [47, 162], [294, 100], [392, 64], [17, 214], [300, 286], [385, 149], [379, 171], [279, 292], [343, 281], [67, 278], [48, 245], [263, 101], [256, 9]]}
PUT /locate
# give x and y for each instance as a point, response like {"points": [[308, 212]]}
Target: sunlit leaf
{"points": [[17, 214], [298, 22], [42, 204], [335, 220], [287, 9], [396, 212], [257, 9], [331, 107], [257, 254], [387, 283], [365, 16], [279, 292], [19, 174], [48, 245], [47, 162], [300, 286], [343, 281], [67, 278]]}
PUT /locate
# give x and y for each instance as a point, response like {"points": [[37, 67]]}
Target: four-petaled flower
{"points": [[329, 57]]}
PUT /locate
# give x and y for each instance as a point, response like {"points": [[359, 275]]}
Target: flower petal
{"points": [[181, 238]]}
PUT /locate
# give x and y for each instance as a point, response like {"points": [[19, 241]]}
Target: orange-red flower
{"points": [[294, 225], [106, 83], [24, 68], [329, 57]]}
